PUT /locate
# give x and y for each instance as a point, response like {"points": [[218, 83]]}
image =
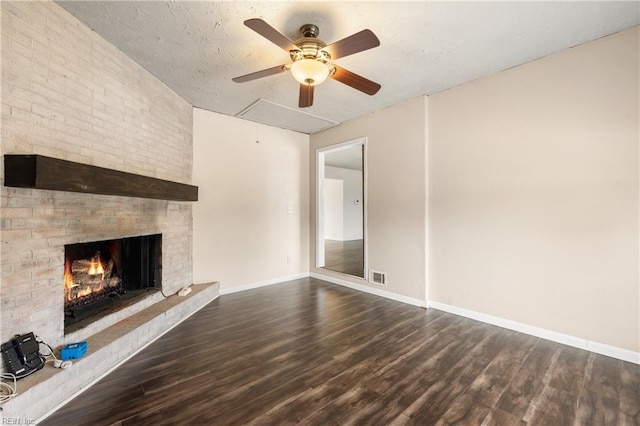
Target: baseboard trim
{"points": [[371, 290], [565, 339], [264, 283]]}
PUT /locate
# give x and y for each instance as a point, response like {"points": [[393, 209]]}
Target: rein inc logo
{"points": [[16, 421]]}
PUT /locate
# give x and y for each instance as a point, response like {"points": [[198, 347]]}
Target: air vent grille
{"points": [[377, 277]]}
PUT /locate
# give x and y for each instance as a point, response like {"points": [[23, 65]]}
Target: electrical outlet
{"points": [[288, 260]]}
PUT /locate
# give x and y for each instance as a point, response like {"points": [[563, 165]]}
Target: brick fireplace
{"points": [[103, 277], [82, 100], [69, 94], [34, 247]]}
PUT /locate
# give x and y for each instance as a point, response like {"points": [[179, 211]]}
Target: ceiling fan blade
{"points": [[355, 43], [259, 74], [354, 80], [271, 34], [306, 96]]}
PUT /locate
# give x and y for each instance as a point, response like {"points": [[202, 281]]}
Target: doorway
{"points": [[341, 208]]}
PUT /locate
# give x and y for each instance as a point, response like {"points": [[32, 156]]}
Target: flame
{"points": [[68, 277], [69, 284], [96, 268], [72, 289]]}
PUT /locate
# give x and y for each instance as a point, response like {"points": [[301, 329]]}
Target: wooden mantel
{"points": [[40, 172]]}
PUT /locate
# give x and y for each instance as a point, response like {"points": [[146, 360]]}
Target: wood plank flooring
{"points": [[344, 256], [310, 352]]}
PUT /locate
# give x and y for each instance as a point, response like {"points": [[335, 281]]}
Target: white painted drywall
{"points": [[333, 209], [351, 202], [251, 222], [534, 193]]}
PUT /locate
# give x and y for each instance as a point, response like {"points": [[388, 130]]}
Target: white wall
{"points": [[352, 190], [333, 209], [396, 191], [534, 193], [243, 233]]}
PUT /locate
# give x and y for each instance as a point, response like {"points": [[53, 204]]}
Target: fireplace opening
{"points": [[101, 277]]}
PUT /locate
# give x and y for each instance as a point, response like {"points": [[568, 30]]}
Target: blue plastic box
{"points": [[73, 351]]}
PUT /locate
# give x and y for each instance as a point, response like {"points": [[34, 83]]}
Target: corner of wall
{"points": [[427, 239]]}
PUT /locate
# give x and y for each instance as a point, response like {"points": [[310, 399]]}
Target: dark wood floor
{"points": [[344, 256], [316, 353]]}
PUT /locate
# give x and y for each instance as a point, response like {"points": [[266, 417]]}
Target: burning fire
{"points": [[96, 266], [93, 272], [68, 276]]}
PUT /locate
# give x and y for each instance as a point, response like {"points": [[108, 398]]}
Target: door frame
{"points": [[320, 164]]}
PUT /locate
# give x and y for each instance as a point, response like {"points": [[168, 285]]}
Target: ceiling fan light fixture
{"points": [[311, 59], [310, 71]]}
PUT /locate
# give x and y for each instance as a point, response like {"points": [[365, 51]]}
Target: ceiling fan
{"points": [[312, 59]]}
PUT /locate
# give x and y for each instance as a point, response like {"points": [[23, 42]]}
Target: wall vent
{"points": [[378, 277]]}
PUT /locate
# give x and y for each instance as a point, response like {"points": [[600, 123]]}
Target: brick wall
{"points": [[67, 93]]}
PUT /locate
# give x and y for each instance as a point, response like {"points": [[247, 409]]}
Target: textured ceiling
{"points": [[346, 157], [197, 47]]}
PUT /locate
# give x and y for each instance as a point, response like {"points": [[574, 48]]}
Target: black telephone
{"points": [[22, 355]]}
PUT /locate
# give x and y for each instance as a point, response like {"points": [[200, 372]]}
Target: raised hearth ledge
{"points": [[114, 317], [49, 388], [40, 172]]}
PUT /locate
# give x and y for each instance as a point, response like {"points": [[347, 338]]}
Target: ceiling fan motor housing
{"points": [[310, 47], [309, 30]]}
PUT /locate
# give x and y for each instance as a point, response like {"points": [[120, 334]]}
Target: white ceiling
{"points": [[197, 47], [346, 157]]}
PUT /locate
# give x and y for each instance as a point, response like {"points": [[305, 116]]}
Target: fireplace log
{"points": [[40, 172], [108, 271], [94, 284], [80, 266], [73, 301], [83, 280]]}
